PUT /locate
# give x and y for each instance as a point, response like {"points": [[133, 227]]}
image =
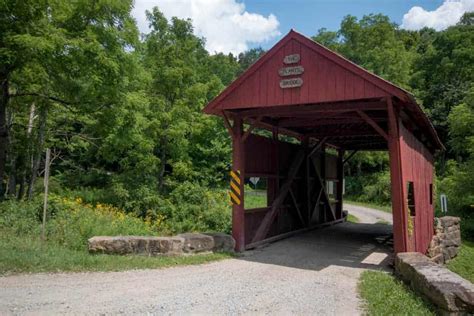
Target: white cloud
{"points": [[444, 16], [225, 24]]}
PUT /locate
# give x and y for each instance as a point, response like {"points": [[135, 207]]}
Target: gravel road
{"points": [[369, 215], [311, 273]]}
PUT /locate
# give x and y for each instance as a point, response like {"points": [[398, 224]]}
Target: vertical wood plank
{"points": [[398, 209], [238, 158], [340, 183]]}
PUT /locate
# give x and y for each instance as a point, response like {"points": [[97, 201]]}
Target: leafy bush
{"points": [[74, 222], [71, 222], [373, 188], [459, 189], [188, 207], [191, 207]]}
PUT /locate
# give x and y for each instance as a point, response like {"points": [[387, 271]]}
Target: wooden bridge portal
{"points": [[330, 108]]}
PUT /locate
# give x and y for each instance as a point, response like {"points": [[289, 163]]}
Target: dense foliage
{"points": [[438, 67], [122, 111]]}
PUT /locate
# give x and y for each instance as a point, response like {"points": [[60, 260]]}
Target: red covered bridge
{"points": [[330, 108]]}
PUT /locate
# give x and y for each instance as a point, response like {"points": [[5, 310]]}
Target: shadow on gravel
{"points": [[367, 246]]}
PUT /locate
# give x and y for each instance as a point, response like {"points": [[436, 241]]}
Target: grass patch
{"points": [[351, 218], [71, 222], [255, 198], [23, 254], [463, 263], [384, 208], [384, 222], [383, 294]]}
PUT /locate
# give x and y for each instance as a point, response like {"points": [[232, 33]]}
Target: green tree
{"points": [[444, 72], [72, 54], [247, 58]]}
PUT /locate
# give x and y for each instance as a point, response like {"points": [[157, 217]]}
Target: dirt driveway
{"points": [[312, 273]]}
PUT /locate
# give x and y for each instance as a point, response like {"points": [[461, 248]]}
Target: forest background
{"points": [[132, 151]]}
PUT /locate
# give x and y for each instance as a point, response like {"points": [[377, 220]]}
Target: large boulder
{"points": [[136, 245], [447, 290], [222, 242], [195, 242]]}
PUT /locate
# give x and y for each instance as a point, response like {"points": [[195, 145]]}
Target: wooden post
{"points": [[46, 183], [322, 174], [400, 235], [340, 183], [238, 210], [308, 182]]}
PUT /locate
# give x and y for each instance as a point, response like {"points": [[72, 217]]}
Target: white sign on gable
{"points": [[291, 71], [291, 83], [291, 59]]}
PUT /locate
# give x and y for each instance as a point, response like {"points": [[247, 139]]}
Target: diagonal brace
{"points": [[267, 221], [372, 123]]}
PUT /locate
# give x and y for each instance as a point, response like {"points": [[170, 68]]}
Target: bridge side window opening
{"points": [[411, 198], [256, 192]]}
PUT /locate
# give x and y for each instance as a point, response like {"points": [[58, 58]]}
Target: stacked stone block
{"points": [[447, 239]]}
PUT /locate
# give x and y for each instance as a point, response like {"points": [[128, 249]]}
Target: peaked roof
{"points": [[327, 77]]}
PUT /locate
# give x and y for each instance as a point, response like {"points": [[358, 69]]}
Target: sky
{"points": [[233, 26]]}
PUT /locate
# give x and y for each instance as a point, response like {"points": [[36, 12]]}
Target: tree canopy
{"points": [[122, 111]]}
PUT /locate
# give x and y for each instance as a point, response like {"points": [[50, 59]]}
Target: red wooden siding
{"points": [[323, 81], [270, 159], [417, 167], [340, 105]]}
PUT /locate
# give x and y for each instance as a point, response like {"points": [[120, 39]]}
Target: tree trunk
{"points": [[3, 130], [37, 153], [11, 187], [27, 158]]}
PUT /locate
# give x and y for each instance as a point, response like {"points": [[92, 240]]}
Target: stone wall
{"points": [[452, 294], [182, 244], [446, 240]]}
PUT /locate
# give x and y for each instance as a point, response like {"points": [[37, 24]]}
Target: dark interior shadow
{"points": [[368, 246]]}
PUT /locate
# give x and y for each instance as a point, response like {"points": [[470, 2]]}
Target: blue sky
{"points": [[308, 16], [233, 26]]}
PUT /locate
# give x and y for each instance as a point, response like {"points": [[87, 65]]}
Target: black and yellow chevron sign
{"points": [[235, 187]]}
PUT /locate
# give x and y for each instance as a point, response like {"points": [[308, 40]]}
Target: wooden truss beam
{"points": [[317, 146], [350, 156], [227, 123], [267, 221], [322, 122], [372, 123], [291, 110], [295, 203], [252, 126], [343, 133], [269, 126], [295, 121], [324, 192]]}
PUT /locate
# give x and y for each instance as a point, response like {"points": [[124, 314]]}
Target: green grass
{"points": [[383, 294], [351, 218], [384, 222], [22, 254], [463, 263], [384, 208], [255, 198]]}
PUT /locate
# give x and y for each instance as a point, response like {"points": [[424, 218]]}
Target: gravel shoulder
{"points": [[368, 215], [312, 273]]}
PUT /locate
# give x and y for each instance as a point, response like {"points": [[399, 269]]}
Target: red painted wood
{"points": [[325, 79], [313, 51], [331, 84], [400, 235], [417, 167], [238, 164]]}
